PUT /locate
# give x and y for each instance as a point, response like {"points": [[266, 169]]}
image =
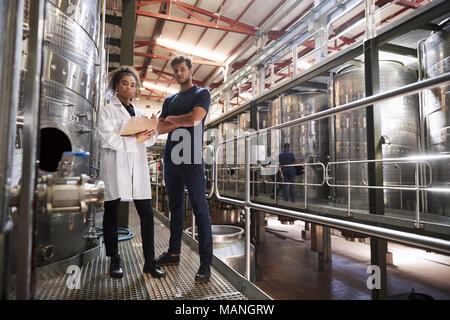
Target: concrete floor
{"points": [[287, 269]]}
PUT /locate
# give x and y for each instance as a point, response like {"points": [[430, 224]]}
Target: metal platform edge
{"points": [[60, 267], [237, 281]]}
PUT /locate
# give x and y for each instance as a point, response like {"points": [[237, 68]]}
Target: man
{"points": [[183, 116], [287, 173]]}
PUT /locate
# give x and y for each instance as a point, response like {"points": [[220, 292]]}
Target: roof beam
{"points": [[159, 25], [168, 58], [212, 73], [167, 76], [234, 25]]}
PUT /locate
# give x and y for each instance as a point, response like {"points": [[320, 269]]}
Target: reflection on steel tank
{"points": [[437, 116], [399, 126], [67, 114], [309, 141], [229, 156]]}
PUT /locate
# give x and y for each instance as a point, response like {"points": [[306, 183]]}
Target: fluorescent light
{"points": [[159, 88], [246, 95], [175, 45]]}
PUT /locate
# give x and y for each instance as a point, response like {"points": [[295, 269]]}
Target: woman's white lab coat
{"points": [[124, 166]]}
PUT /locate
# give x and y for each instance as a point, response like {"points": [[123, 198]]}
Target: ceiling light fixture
{"points": [[181, 47]]}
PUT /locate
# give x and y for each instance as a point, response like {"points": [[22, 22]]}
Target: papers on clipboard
{"points": [[136, 125]]}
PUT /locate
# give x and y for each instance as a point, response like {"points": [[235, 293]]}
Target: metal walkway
{"points": [[96, 284]]}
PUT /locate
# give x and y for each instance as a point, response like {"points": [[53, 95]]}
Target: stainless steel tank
{"points": [[399, 124], [309, 142], [437, 116], [68, 95], [68, 80], [229, 246]]}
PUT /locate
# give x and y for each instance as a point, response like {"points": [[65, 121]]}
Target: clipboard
{"points": [[136, 125]]}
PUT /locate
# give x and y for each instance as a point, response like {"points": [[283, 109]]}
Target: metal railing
{"points": [[385, 233], [389, 234], [407, 160]]}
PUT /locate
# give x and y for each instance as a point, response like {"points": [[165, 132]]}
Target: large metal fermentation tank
{"points": [[399, 126], [68, 80], [437, 116], [67, 115], [310, 141]]}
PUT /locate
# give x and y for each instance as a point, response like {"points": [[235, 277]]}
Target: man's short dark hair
{"points": [[181, 59], [286, 146]]}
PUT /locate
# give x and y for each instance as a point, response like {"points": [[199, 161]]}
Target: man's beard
{"points": [[185, 82]]}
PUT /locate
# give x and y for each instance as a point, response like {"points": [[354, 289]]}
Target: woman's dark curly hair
{"points": [[115, 76]]}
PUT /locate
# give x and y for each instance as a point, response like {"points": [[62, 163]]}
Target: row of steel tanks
{"points": [[309, 141], [399, 126], [344, 137], [68, 96], [436, 50]]}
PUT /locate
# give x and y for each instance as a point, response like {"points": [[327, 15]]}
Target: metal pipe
{"points": [[216, 189], [11, 24], [247, 207], [30, 135], [422, 144], [385, 233], [306, 186], [210, 147], [348, 190], [417, 224], [370, 19], [359, 104], [295, 60], [11, 36]]}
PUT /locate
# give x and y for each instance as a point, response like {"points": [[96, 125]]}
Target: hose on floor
{"points": [[127, 232]]}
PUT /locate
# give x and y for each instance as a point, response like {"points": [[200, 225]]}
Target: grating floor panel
{"points": [[96, 284]]}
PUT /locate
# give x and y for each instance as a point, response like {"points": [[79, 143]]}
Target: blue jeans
{"points": [[289, 177], [193, 177]]}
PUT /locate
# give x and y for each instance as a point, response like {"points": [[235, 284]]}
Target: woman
{"points": [[125, 169]]}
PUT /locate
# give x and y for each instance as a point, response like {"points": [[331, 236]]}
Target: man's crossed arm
{"points": [[190, 119]]}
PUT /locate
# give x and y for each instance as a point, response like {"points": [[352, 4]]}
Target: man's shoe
{"points": [[152, 268], [166, 259], [203, 273], [115, 270]]}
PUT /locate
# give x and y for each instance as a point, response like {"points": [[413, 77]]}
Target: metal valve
{"points": [[62, 192]]}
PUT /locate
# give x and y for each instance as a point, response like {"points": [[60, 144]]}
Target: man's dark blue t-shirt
{"points": [[287, 158], [179, 104]]}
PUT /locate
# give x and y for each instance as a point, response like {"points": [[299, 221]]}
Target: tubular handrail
{"points": [[211, 193], [386, 233], [389, 161], [359, 104], [305, 182]]}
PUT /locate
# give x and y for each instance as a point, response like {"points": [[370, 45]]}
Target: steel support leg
{"points": [[375, 170]]}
